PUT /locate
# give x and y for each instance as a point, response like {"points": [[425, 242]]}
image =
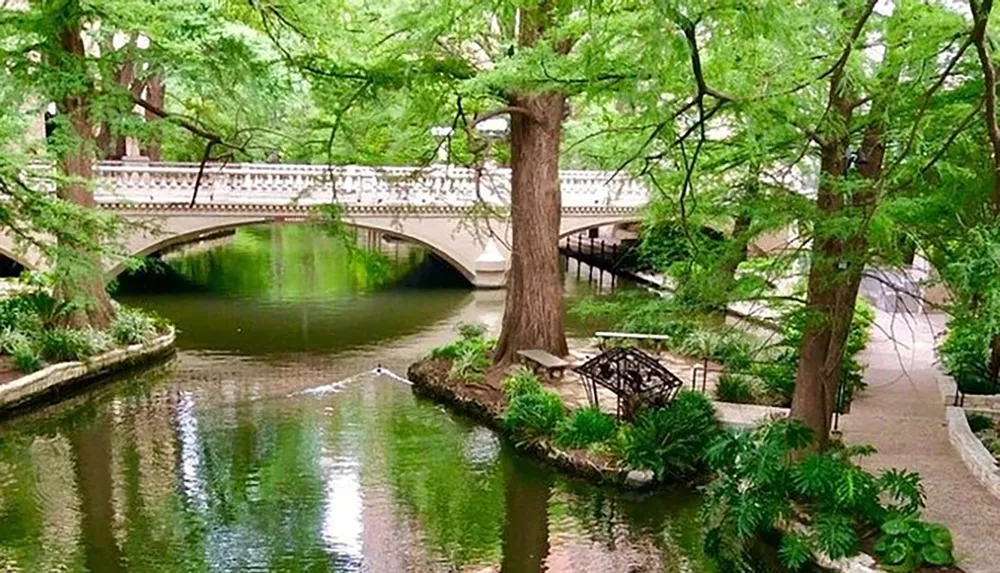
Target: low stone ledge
{"points": [[65, 374], [746, 416], [977, 458]]}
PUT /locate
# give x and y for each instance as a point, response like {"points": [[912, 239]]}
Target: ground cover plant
{"points": [[34, 331]]}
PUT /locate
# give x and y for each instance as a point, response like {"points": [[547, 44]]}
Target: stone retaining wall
{"points": [[979, 460], [65, 374]]}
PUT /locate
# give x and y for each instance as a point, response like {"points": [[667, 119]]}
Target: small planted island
{"points": [[769, 483], [41, 351]]}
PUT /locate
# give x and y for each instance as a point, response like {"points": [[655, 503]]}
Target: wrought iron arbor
{"points": [[635, 378]]}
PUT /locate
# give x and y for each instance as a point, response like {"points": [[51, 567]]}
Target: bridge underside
{"points": [[475, 245]]}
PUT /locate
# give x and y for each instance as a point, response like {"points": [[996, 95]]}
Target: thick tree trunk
{"points": [[80, 278], [155, 94], [533, 316], [835, 269]]}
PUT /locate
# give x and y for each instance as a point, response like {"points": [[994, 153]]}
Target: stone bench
{"points": [[540, 359]]}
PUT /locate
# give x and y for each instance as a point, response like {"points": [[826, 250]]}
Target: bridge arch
{"points": [[180, 231]]}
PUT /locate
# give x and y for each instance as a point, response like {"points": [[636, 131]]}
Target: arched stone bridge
{"points": [[460, 214]]}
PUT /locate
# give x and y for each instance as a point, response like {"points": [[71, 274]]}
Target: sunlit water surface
{"points": [[268, 443]]}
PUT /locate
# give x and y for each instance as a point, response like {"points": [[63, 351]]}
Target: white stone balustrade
{"points": [[428, 206], [305, 185]]}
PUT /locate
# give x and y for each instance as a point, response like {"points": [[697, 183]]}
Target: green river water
{"points": [[267, 443]]}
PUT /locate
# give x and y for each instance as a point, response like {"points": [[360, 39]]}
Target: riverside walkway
{"points": [[902, 414]]}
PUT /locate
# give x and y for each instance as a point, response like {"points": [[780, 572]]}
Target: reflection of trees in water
{"points": [[289, 261], [458, 505], [526, 522]]}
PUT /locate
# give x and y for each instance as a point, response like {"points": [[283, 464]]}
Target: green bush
{"points": [[67, 344], [671, 441], [469, 330], [736, 388], [132, 326], [471, 362], [584, 427], [908, 543], [521, 381], [979, 422], [470, 354], [22, 349], [760, 486], [534, 414], [965, 355]]}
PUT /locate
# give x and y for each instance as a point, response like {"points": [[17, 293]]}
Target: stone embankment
{"points": [[59, 378]]}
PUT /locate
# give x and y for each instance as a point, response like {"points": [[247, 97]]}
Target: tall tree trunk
{"points": [[80, 276], [837, 262], [156, 94], [533, 315]]}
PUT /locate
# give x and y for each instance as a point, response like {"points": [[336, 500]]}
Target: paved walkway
{"points": [[902, 414]]}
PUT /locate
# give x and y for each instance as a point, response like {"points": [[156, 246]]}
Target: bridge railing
{"points": [[280, 184]]}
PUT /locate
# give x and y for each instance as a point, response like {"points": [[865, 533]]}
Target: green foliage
{"points": [[67, 344], [965, 354], [979, 422], [584, 427], [907, 543], [132, 326], [22, 349], [534, 414], [469, 355], [736, 388], [760, 486], [671, 441], [522, 381]]}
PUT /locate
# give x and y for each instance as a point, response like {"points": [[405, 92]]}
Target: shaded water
{"points": [[267, 443]]}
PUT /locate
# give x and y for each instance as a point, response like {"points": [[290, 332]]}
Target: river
{"points": [[268, 444]]}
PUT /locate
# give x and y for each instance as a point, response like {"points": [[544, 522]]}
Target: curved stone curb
{"points": [[977, 458], [57, 376]]}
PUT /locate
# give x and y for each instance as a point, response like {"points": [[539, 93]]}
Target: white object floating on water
{"points": [[335, 387], [390, 374]]}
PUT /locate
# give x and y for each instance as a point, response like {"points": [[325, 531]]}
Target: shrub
{"points": [[584, 427], [534, 414], [469, 330], [979, 422], [22, 349], [777, 377], [965, 354], [26, 359], [132, 326], [735, 388], [671, 441], [760, 486], [522, 381], [471, 362], [66, 344], [470, 354]]}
